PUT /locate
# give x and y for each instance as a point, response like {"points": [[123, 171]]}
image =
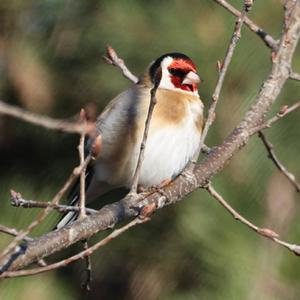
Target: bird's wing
{"points": [[113, 125], [117, 120]]}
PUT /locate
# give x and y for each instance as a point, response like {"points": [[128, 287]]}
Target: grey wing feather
{"points": [[110, 125], [119, 113]]}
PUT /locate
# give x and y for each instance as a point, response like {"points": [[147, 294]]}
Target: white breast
{"points": [[168, 150]]}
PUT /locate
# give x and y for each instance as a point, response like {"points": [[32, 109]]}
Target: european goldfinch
{"points": [[173, 137]]}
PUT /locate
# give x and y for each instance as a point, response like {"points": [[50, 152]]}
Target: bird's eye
{"points": [[177, 72], [172, 71]]}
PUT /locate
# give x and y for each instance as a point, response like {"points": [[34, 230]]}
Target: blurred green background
{"points": [[50, 63]]}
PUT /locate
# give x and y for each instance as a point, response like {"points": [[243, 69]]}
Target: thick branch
{"points": [[85, 253], [112, 214]]}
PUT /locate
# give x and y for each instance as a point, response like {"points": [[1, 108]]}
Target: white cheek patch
{"points": [[165, 82]]}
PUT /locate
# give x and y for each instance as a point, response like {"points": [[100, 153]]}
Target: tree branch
{"points": [[18, 201], [222, 69], [265, 232], [44, 121], [270, 149], [80, 255], [145, 136], [268, 39], [282, 113], [13, 232], [86, 285], [82, 213], [22, 234], [294, 76], [113, 59]]}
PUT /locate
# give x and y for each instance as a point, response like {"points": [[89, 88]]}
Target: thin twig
{"points": [[278, 164], [13, 232], [44, 121], [80, 255], [113, 59], [222, 68], [265, 232], [87, 282], [153, 101], [294, 76], [86, 285], [268, 39], [18, 201], [285, 110], [82, 213], [76, 172]]}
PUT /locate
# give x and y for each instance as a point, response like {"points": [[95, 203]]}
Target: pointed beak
{"points": [[191, 78]]}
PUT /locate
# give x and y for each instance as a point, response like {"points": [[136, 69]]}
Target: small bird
{"points": [[173, 137]]}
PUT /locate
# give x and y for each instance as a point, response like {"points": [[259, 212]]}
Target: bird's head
{"points": [[175, 71]]}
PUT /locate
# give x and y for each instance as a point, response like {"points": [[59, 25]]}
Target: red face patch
{"points": [[178, 69], [183, 64]]}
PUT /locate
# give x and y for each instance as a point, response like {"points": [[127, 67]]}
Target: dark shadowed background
{"points": [[50, 63]]}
